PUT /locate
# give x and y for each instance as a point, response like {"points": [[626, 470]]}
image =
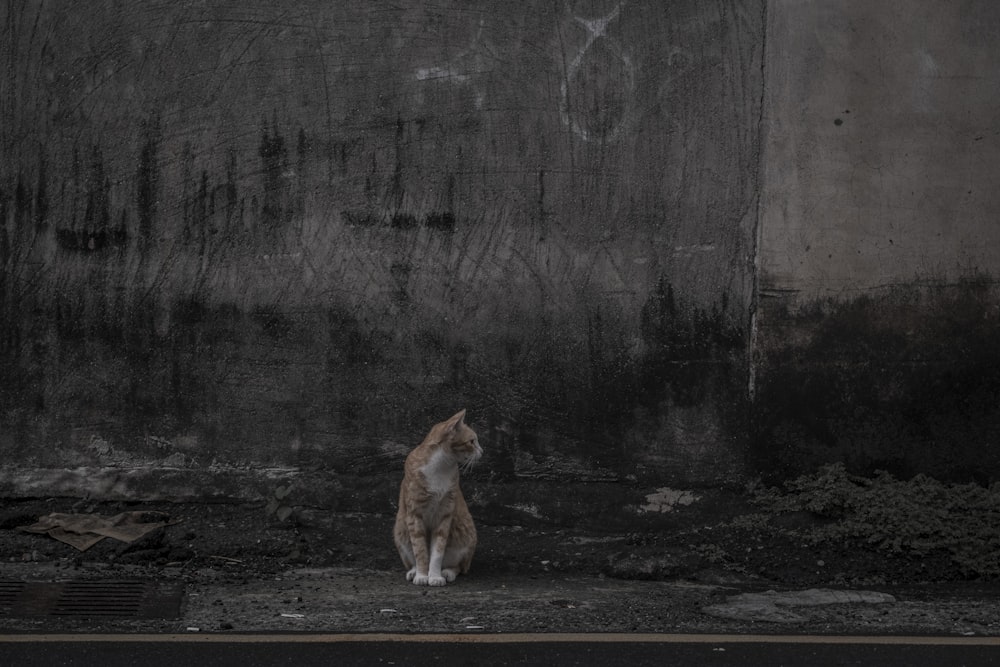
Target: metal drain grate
{"points": [[90, 599]]}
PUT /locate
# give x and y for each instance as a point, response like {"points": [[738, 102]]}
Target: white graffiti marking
{"points": [[597, 29], [458, 71]]}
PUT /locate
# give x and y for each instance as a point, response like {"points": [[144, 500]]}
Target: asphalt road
{"points": [[485, 650]]}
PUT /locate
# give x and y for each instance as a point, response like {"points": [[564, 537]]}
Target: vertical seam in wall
{"points": [[755, 249]]}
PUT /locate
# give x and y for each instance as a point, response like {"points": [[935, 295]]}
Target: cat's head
{"points": [[460, 440]]}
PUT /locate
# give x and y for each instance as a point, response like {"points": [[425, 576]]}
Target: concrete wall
{"points": [[648, 246], [879, 246], [296, 236], [882, 147]]}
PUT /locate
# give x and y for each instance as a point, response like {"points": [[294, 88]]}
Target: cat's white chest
{"points": [[439, 475]]}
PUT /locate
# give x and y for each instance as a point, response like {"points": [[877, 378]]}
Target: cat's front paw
{"points": [[436, 581], [411, 574], [420, 579]]}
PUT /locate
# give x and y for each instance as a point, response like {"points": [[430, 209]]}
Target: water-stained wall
{"points": [[878, 311], [297, 234], [648, 245]]}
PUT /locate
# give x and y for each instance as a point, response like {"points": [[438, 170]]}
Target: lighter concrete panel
{"points": [[881, 145]]}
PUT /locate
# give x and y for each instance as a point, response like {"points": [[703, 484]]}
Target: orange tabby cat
{"points": [[434, 533]]}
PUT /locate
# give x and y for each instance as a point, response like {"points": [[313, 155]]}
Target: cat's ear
{"points": [[455, 421]]}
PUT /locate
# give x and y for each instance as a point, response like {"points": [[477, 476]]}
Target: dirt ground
{"points": [[241, 540], [244, 568]]}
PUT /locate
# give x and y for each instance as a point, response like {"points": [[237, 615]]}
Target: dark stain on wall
{"points": [[906, 381]]}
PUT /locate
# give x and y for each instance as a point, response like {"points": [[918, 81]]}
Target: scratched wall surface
{"points": [[879, 312], [300, 233]]}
